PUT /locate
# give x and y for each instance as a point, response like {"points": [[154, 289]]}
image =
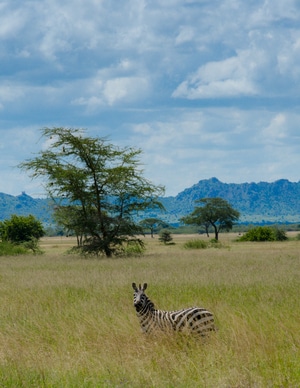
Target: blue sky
{"points": [[206, 88]]}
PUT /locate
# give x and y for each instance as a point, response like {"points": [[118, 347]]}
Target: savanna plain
{"points": [[66, 321]]}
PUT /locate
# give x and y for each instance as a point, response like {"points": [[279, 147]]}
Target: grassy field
{"points": [[70, 322]]}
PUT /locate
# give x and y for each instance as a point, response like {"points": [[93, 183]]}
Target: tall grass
{"points": [[69, 322]]}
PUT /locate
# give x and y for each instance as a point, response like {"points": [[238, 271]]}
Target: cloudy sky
{"points": [[206, 88]]}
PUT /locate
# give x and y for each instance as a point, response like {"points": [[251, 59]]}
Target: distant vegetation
{"points": [[202, 244], [213, 213], [264, 233]]}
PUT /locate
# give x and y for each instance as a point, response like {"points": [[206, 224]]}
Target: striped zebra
{"points": [[194, 320]]}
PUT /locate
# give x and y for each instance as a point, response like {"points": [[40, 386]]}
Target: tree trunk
{"points": [[216, 232]]}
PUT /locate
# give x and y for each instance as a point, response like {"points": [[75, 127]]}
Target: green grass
{"points": [[70, 322]]}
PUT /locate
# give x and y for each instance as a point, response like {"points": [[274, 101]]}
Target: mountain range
{"points": [[263, 202]]}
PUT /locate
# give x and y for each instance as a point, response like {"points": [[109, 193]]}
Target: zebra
{"points": [[193, 320]]}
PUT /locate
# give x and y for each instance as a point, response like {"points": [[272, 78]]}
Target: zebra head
{"points": [[140, 299]]}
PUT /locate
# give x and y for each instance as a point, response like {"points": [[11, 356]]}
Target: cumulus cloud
{"points": [[234, 76], [231, 144], [204, 88], [276, 130]]}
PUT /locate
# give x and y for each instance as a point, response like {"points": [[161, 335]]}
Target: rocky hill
{"points": [[24, 205], [257, 202]]}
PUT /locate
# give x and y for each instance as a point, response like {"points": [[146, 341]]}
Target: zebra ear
{"points": [[144, 286], [134, 287]]}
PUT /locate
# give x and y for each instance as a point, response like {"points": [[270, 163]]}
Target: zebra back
{"points": [[193, 320]]}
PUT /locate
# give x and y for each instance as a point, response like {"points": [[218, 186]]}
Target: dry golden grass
{"points": [[69, 322]]}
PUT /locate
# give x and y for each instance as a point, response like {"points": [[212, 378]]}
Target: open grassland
{"points": [[69, 322]]}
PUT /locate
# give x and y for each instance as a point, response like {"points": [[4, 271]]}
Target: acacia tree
{"points": [[152, 224], [165, 237], [215, 212], [101, 184]]}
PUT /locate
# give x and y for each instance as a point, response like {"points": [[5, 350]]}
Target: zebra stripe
{"points": [[194, 320]]}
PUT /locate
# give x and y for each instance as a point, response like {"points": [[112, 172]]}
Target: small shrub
{"points": [[196, 244], [213, 243], [201, 244], [134, 249], [33, 245]]}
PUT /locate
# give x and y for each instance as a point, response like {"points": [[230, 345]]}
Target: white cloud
{"points": [[124, 88], [115, 67], [112, 91], [231, 77], [276, 130], [231, 144]]}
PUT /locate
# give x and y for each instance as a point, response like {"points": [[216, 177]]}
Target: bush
{"points": [[9, 249], [19, 229], [133, 248], [201, 244], [21, 234], [33, 245], [264, 233], [196, 244], [279, 234]]}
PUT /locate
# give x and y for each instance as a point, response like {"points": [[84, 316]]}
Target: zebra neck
{"points": [[147, 309]]}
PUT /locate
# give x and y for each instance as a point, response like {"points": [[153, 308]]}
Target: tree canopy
{"points": [[98, 188], [215, 212], [152, 224]]}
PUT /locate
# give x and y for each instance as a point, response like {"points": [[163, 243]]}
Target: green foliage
{"points": [[9, 249], [196, 244], [165, 237], [20, 229], [264, 233], [33, 245], [133, 248], [215, 212], [100, 186], [280, 234], [201, 244], [152, 224]]}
